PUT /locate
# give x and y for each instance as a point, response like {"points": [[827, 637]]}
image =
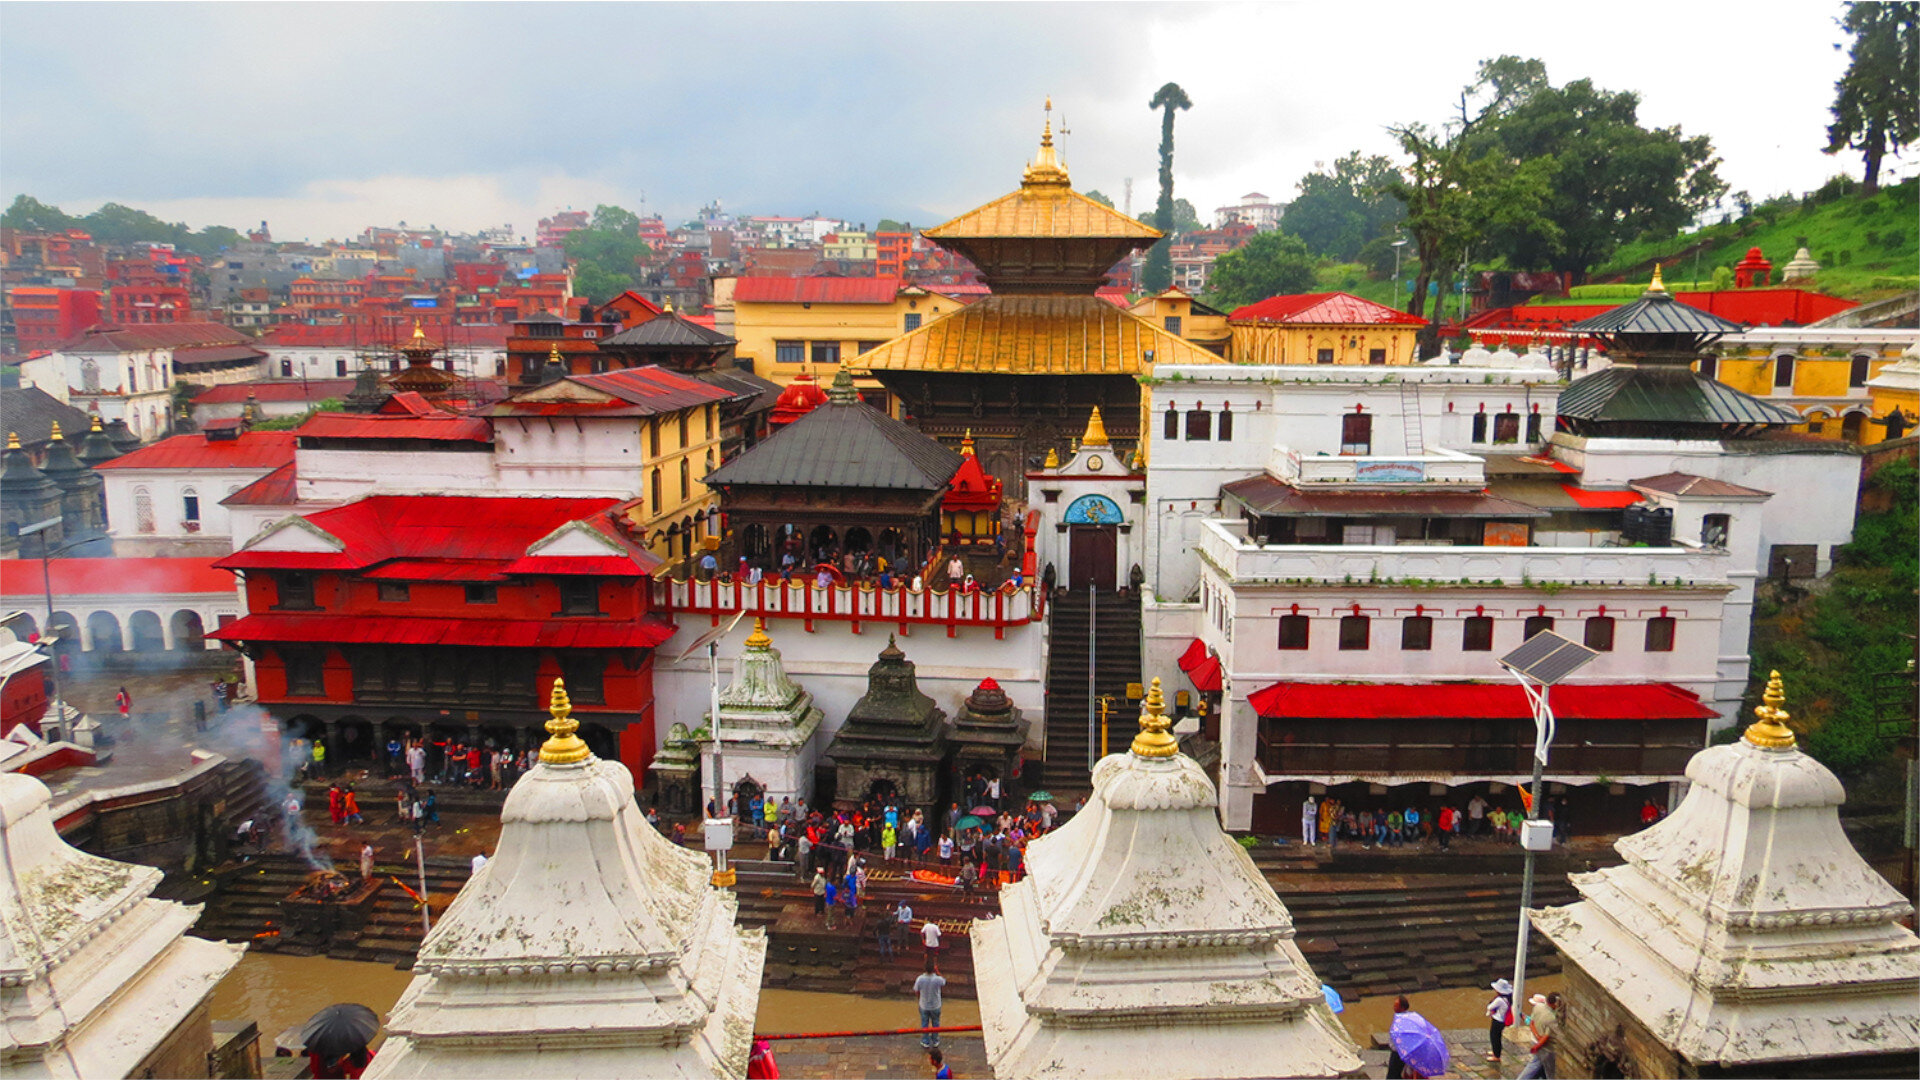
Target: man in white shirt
{"points": [[478, 862], [1476, 815], [930, 935], [1309, 822]]}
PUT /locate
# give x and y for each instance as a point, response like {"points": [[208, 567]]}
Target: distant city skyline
{"points": [[322, 119]]}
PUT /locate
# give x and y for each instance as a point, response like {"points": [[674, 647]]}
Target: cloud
{"points": [[465, 115]]}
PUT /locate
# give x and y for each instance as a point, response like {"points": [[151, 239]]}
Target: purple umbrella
{"points": [[1419, 1044], [984, 811]]}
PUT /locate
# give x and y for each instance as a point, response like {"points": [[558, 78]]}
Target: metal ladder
{"points": [[1410, 418]]}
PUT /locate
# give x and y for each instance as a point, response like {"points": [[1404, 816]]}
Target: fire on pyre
{"points": [[330, 910]]}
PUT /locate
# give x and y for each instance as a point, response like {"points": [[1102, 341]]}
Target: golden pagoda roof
{"points": [[1037, 335], [1045, 206]]}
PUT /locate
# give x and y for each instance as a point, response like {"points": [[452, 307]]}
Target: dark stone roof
{"points": [[742, 383], [667, 331], [1630, 393], [893, 719], [32, 412], [844, 444]]}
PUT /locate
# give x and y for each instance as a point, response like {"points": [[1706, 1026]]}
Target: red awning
{"points": [[1206, 677], [1423, 701], [1195, 653], [489, 633], [1601, 500]]}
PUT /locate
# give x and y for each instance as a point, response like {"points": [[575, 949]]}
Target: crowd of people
{"points": [[1330, 821], [833, 564]]}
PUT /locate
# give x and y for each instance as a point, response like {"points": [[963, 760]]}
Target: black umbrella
{"points": [[339, 1030]]}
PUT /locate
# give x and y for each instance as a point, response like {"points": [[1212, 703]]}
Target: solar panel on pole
{"points": [[1547, 658]]}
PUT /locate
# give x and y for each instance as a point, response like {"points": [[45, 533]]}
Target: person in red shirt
{"points": [[1649, 813], [473, 763]]}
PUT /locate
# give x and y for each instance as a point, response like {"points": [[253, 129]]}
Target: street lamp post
{"points": [[1399, 301], [52, 640]]}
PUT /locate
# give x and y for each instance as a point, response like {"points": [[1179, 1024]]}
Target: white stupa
{"points": [[1144, 943], [1743, 932], [587, 946], [97, 978], [769, 726]]}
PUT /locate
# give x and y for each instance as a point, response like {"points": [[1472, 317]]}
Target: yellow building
{"points": [[851, 246], [1894, 396], [1821, 374], [1322, 328], [1179, 314], [788, 324]]}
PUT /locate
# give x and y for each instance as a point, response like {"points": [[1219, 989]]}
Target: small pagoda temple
{"points": [[769, 727], [418, 373], [1650, 388], [845, 477], [97, 978], [1144, 942], [894, 740], [1743, 936], [1022, 367], [588, 946], [970, 511], [986, 738]]}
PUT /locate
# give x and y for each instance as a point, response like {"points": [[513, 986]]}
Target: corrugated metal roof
{"points": [[439, 570], [122, 577], [666, 331], [444, 428], [252, 450], [274, 489], [1432, 701], [1265, 495], [1324, 309], [1655, 313], [1631, 393], [187, 356], [843, 445], [1037, 335], [556, 633], [155, 336], [31, 412], [1685, 484], [264, 390], [816, 290], [654, 386], [382, 528]]}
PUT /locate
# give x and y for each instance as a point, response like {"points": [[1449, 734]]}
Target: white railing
{"points": [[1225, 545], [859, 602]]}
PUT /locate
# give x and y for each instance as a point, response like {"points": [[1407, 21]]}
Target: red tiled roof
{"points": [[128, 577], [274, 489], [1113, 294], [446, 427], [156, 336], [252, 450], [1324, 309], [643, 633], [274, 390], [971, 489], [299, 334], [1422, 701], [816, 290], [439, 529]]}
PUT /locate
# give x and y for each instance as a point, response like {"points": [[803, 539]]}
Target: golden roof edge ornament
{"points": [[1771, 732], [1096, 434], [1154, 740], [562, 747], [759, 639], [1053, 458]]}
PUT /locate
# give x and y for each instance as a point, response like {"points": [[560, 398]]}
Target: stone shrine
{"points": [[986, 737], [1144, 942], [1743, 936], [588, 946], [97, 978], [677, 767], [894, 738], [769, 727]]}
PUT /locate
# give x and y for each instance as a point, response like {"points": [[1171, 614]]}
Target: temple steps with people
{"points": [[1117, 663]]}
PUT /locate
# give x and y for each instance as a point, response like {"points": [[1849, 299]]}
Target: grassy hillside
{"points": [[1867, 248]]}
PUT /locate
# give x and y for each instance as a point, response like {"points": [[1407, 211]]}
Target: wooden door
{"points": [[1092, 556]]}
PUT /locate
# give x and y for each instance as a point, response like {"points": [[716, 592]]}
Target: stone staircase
{"points": [[247, 907], [1116, 641]]}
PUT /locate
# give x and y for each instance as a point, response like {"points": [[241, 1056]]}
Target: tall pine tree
{"points": [[1876, 104], [1159, 269]]}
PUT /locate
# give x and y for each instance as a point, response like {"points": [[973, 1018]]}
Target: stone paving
{"points": [[884, 1056], [1469, 1048]]}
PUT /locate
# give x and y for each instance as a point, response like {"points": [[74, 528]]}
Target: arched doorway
{"points": [[104, 630], [189, 633], [1852, 425], [144, 628], [24, 626], [859, 539], [1093, 542], [821, 542], [356, 740]]}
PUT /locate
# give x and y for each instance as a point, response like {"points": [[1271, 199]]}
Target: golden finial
{"points": [[1096, 430], [759, 639], [57, 437], [96, 423], [1658, 285], [966, 444], [1140, 458], [668, 310], [1053, 458], [562, 747], [553, 354], [1772, 732], [419, 335], [1047, 168], [1154, 741], [13, 440]]}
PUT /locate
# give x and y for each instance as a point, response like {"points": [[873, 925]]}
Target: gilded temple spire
{"points": [[1771, 731], [1096, 434], [1047, 168], [1154, 740], [562, 747], [1658, 285], [759, 639]]}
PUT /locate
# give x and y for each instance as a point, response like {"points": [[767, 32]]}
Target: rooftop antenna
{"points": [[1128, 199]]}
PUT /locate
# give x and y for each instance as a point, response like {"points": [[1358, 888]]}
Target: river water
{"points": [[279, 992]]}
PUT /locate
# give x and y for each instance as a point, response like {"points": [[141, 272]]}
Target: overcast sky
{"points": [[324, 118]]}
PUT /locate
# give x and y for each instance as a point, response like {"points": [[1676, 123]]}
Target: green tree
{"points": [[890, 225], [1876, 104], [31, 215], [606, 254], [1185, 218], [1097, 196], [1158, 273], [1339, 212], [1269, 264]]}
